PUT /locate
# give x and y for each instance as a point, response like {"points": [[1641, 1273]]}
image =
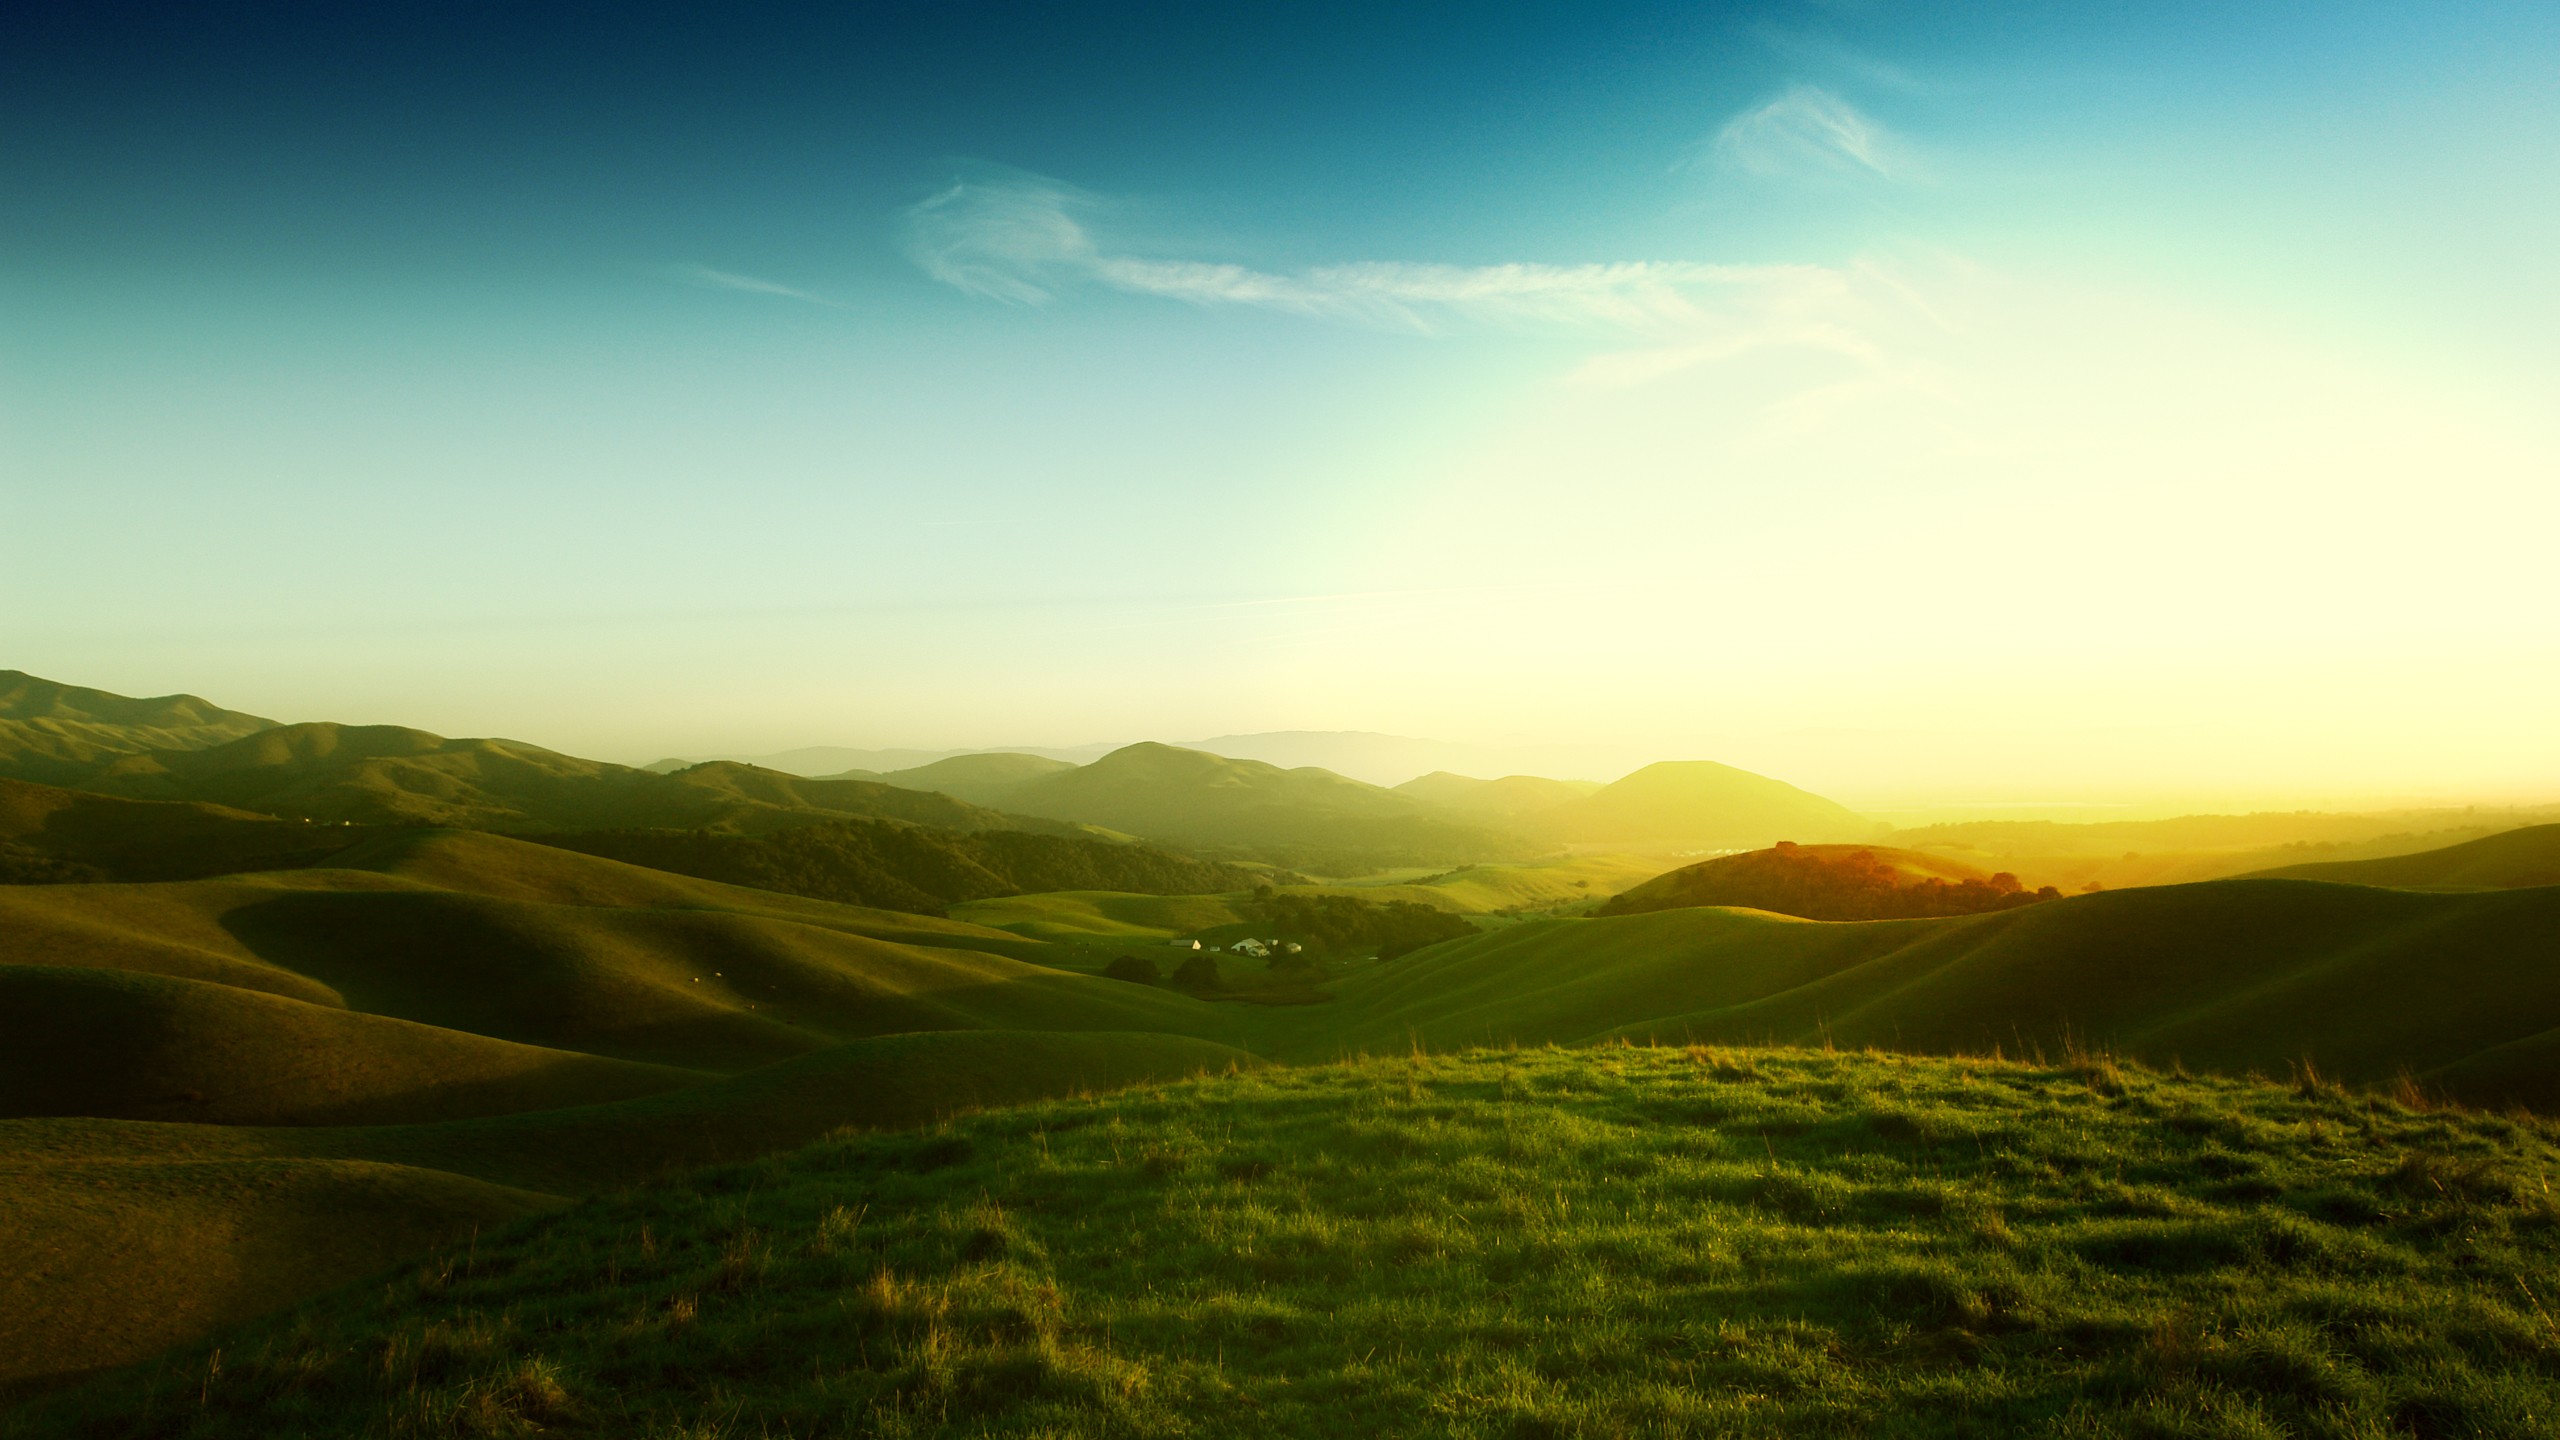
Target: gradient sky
{"points": [[1919, 403]]}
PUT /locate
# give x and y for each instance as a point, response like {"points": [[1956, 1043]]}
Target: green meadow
{"points": [[1593, 1241], [390, 1128]]}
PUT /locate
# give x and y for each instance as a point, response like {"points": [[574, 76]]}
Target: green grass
{"points": [[125, 1237], [1605, 1241], [511, 1021], [2234, 975], [1499, 889], [1085, 915]]}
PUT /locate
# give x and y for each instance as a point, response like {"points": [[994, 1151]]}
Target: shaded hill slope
{"points": [[693, 987], [50, 731], [51, 835], [2233, 975], [907, 867], [385, 774], [1829, 882], [131, 1045], [988, 779], [1525, 1244], [2514, 860], [445, 1028]]}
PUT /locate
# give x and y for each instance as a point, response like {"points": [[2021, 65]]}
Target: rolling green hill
{"points": [[1508, 799], [1829, 882], [987, 779], [1542, 1243], [49, 834], [907, 867], [50, 732], [2514, 860], [308, 1074], [2231, 976], [1309, 819], [383, 774], [130, 1236], [446, 1028], [1105, 915]]}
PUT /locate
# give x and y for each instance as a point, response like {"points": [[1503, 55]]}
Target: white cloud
{"points": [[1807, 130], [710, 279], [1021, 239]]}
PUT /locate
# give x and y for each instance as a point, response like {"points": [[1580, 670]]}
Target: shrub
{"points": [[1136, 969]]}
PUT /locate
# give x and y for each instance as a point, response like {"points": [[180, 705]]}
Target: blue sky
{"points": [[1914, 401]]}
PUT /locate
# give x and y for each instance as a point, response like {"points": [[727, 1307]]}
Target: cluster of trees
{"points": [[1342, 924], [1198, 972], [1857, 885], [893, 866]]}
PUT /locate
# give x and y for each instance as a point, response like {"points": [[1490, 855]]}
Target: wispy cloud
{"points": [[1023, 239], [1807, 130], [710, 279], [1824, 55]]}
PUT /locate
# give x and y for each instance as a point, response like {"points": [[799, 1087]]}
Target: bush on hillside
{"points": [[1791, 880], [1199, 975], [1136, 969]]}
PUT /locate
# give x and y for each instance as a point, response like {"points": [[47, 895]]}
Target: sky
{"points": [[1972, 404]]}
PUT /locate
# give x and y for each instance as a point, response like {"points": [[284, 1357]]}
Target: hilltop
{"points": [[1703, 804], [987, 779], [50, 732], [1610, 1241], [304, 1076], [1513, 798]]}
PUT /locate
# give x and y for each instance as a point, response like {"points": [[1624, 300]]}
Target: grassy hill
{"points": [[50, 731], [2189, 848], [1307, 818], [979, 779], [1071, 916], [2230, 976], [1701, 804], [1082, 916], [1540, 1243], [51, 835], [384, 774], [129, 1236], [2514, 860], [1829, 882], [1495, 801], [307, 1074], [906, 867]]}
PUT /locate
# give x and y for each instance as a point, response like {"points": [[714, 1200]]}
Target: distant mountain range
{"points": [[184, 749], [1379, 759], [1191, 797]]}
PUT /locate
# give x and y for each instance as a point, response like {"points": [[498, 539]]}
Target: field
{"points": [[1502, 1243], [221, 1097]]}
